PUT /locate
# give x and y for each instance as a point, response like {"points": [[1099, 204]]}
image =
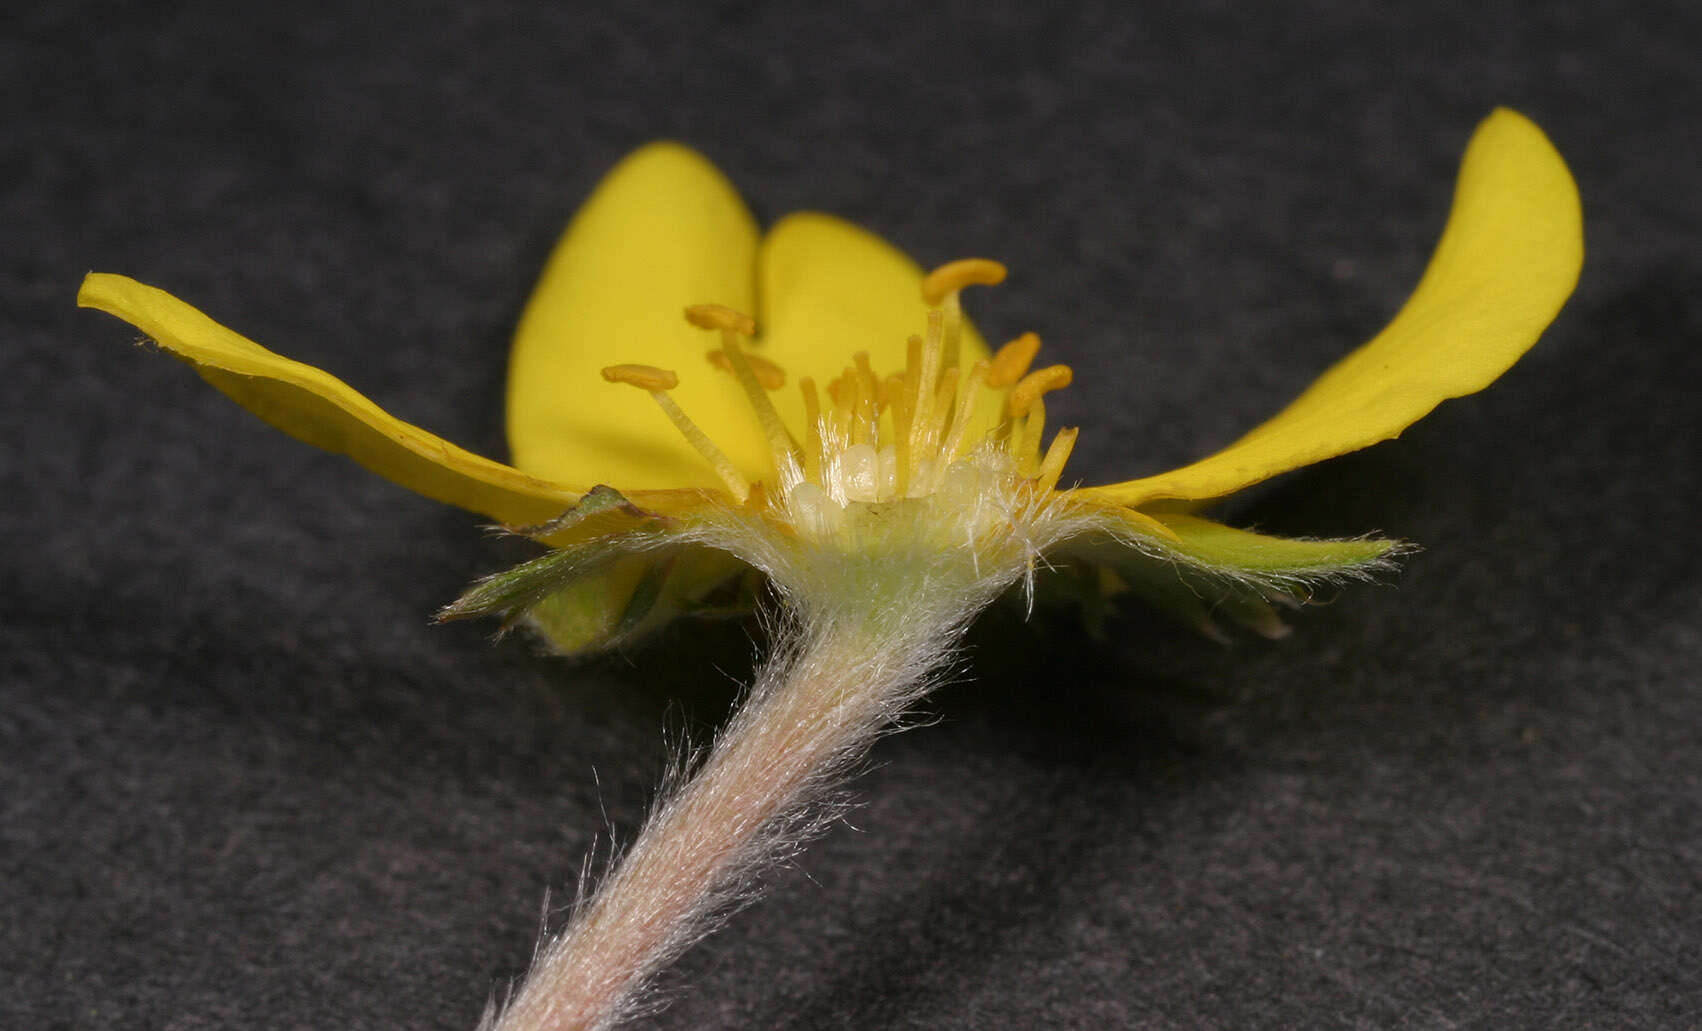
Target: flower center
{"points": [[873, 438]]}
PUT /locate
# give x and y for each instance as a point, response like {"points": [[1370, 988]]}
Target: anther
{"points": [[1012, 361], [770, 375], [1033, 385], [644, 377], [719, 316], [954, 276]]}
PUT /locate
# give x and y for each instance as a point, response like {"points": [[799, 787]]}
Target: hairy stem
{"points": [[830, 687]]}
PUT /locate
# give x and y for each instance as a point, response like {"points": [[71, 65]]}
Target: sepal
{"points": [[603, 591], [601, 502], [513, 593], [1208, 574]]}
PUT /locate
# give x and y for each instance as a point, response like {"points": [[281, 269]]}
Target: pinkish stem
{"points": [[816, 706]]}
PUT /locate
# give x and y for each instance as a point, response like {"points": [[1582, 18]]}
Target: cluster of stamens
{"points": [[873, 439]]}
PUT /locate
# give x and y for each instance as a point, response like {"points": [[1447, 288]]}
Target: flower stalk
{"points": [[832, 685]]}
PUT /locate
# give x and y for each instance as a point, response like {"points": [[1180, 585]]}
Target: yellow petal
{"points": [[828, 289], [663, 230], [316, 407], [1508, 259]]}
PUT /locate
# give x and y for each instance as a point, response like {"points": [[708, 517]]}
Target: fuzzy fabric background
{"points": [[243, 784]]}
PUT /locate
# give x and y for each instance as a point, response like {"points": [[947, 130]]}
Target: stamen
{"points": [[812, 426], [1052, 466], [732, 325], [1030, 387], [812, 400], [944, 396], [851, 402], [833, 444], [1025, 439], [644, 377], [868, 388], [1011, 363], [901, 396], [940, 291], [657, 382], [843, 392], [953, 345], [724, 467], [965, 409], [778, 438], [770, 375], [923, 433], [912, 373], [870, 438], [954, 276], [890, 392]]}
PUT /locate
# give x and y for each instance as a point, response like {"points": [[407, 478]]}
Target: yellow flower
{"points": [[868, 454], [859, 395]]}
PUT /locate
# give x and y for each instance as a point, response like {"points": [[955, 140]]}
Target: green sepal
{"points": [[597, 593], [601, 500], [1277, 560], [513, 593], [1209, 573]]}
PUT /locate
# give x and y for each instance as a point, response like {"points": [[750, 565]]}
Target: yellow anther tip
{"points": [[770, 375], [1041, 381], [644, 377], [1011, 362], [954, 276], [719, 316]]}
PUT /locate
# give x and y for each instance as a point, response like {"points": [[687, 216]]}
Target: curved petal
{"points": [[316, 407], [1508, 259], [827, 289], [663, 230]]}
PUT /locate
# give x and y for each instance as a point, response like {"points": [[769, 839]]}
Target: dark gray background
{"points": [[244, 784]]}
